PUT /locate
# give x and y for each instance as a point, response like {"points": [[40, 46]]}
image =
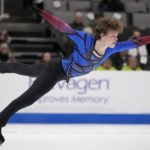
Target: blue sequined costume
{"points": [[83, 60]]}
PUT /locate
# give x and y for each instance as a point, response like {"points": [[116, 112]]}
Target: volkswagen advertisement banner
{"points": [[99, 92]]}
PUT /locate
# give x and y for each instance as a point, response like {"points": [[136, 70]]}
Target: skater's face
{"points": [[110, 38]]}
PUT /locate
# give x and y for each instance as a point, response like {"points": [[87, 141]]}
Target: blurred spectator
{"points": [[120, 59], [133, 64], [88, 30], [97, 19], [45, 58], [106, 65], [4, 37], [39, 4], [6, 54], [111, 6], [78, 21], [140, 52]]}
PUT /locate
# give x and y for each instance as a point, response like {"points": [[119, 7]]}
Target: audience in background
{"points": [[133, 64], [111, 6], [106, 65], [120, 59], [78, 21], [4, 37], [6, 54], [139, 56], [88, 30], [140, 52], [97, 19], [39, 4], [45, 58]]}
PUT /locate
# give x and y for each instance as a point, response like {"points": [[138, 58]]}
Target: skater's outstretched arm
{"points": [[121, 46], [60, 25]]}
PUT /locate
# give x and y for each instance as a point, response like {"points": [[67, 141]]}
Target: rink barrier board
{"points": [[24, 118], [122, 98]]}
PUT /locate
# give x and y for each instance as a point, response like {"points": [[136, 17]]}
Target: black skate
{"points": [[1, 138]]}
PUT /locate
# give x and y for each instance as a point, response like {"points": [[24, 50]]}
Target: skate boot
{"points": [[1, 138]]}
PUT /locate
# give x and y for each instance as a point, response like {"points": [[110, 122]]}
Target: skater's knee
{"points": [[30, 102], [25, 102]]}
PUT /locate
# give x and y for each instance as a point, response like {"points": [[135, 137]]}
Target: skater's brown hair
{"points": [[108, 24]]}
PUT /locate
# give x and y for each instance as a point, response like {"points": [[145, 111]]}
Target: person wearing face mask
{"points": [[139, 52], [6, 54], [89, 53]]}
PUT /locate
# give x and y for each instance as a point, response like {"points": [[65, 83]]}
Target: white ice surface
{"points": [[76, 137]]}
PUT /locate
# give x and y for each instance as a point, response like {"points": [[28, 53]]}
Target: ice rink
{"points": [[76, 137]]}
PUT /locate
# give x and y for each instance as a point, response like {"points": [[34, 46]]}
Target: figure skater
{"points": [[89, 52]]}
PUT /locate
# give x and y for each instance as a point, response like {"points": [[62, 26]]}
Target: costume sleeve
{"points": [[122, 46], [61, 26]]}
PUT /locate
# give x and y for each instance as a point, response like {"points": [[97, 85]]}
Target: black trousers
{"points": [[47, 76]]}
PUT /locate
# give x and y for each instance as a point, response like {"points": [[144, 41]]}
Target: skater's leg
{"points": [[52, 73], [2, 139], [22, 69]]}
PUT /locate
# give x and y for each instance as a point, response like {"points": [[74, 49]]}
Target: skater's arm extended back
{"points": [[60, 25], [56, 22]]}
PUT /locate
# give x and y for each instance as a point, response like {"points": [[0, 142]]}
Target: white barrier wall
{"points": [[98, 92]]}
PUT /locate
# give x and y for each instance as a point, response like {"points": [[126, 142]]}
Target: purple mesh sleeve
{"points": [[57, 23]]}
